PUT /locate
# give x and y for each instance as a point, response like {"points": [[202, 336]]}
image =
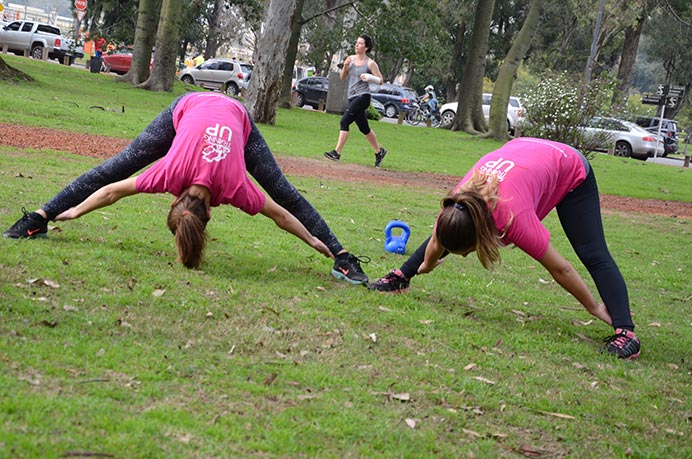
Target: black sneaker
{"points": [[394, 282], [30, 226], [333, 155], [379, 156], [348, 268], [623, 343]]}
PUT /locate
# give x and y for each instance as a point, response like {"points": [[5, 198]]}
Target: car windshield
{"points": [[410, 93], [634, 126]]}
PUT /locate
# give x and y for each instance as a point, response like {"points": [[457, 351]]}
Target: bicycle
{"points": [[417, 114]]}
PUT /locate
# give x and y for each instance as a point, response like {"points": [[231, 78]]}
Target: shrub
{"points": [[560, 103]]}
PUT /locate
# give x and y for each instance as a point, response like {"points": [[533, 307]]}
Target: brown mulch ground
{"points": [[103, 147]]}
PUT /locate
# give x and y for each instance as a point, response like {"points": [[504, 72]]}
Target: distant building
{"points": [[16, 12]]}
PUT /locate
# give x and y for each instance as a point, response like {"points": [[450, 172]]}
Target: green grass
{"points": [[107, 346]]}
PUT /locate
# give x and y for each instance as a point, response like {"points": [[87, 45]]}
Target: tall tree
{"points": [[269, 58], [628, 57], [670, 38], [213, 35], [470, 110], [291, 53], [145, 36], [505, 79], [165, 59]]}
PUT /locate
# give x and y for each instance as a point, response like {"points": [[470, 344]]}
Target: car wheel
{"points": [[187, 79], [447, 118], [390, 111], [623, 149], [300, 99], [232, 89], [37, 52]]}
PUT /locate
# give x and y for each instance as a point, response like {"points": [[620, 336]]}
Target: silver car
{"points": [[515, 112], [219, 74], [621, 137]]}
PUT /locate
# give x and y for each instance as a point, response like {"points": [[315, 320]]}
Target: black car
{"points": [[310, 90], [396, 99], [669, 131]]}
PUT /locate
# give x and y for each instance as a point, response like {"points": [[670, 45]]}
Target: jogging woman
{"points": [[361, 71], [502, 200]]}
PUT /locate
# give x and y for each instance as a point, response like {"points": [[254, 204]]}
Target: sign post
{"points": [[666, 96]]}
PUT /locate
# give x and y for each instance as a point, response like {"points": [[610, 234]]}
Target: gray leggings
{"points": [[153, 144]]}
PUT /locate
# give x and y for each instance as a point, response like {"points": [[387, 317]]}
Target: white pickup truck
{"points": [[33, 37]]}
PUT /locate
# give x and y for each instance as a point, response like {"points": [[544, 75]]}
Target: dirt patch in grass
{"points": [[97, 146]]}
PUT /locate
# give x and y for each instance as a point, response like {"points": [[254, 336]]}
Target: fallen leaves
{"points": [[43, 283]]}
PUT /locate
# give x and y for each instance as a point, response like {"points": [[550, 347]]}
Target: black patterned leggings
{"points": [[153, 144]]}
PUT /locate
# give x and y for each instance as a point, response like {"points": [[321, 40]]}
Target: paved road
{"points": [[678, 162]]}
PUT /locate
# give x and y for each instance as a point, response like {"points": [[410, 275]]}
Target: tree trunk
{"points": [[145, 36], [165, 59], [457, 63], [508, 71], [470, 110], [291, 53], [11, 74], [214, 32], [627, 60], [270, 60], [626, 67]]}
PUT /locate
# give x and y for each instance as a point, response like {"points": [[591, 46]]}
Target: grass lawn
{"points": [[109, 348]]}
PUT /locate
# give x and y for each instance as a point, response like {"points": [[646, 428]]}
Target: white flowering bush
{"points": [[557, 105]]}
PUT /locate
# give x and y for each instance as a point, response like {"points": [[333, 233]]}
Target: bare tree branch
{"points": [[338, 7], [675, 14]]}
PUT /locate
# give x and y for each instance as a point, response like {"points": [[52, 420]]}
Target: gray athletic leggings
{"points": [[155, 141], [580, 216]]}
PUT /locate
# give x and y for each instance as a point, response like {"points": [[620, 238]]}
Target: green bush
{"points": [[556, 105], [373, 114]]}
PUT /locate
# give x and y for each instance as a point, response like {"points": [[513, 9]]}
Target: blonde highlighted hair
{"points": [[466, 221]]}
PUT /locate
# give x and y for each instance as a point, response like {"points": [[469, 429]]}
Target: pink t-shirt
{"points": [[211, 131], [534, 175]]}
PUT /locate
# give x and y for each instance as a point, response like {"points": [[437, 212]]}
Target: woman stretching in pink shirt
{"points": [[502, 200], [204, 144], [204, 168]]}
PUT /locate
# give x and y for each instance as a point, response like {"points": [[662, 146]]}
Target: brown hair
{"points": [[466, 221], [187, 220], [369, 43]]}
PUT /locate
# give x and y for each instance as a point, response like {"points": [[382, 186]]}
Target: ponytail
{"points": [[466, 221], [187, 220]]}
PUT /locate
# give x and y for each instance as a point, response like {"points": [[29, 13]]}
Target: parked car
{"points": [[669, 130], [226, 75], [623, 137], [396, 99], [310, 90], [35, 37], [377, 105], [119, 61], [515, 112]]}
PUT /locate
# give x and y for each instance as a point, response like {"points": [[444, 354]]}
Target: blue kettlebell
{"points": [[396, 244]]}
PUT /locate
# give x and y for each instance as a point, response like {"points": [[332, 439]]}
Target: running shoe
{"points": [[394, 282], [348, 268], [623, 343], [333, 155], [379, 156], [30, 226]]}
